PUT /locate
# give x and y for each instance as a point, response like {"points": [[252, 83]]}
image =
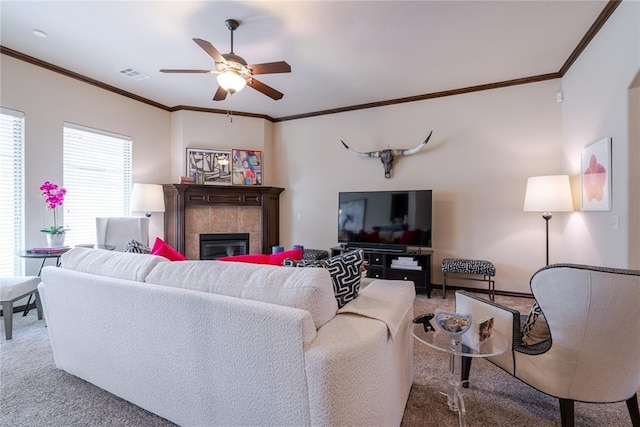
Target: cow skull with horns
{"points": [[387, 156]]}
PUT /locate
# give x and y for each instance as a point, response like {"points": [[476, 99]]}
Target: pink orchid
{"points": [[53, 196]]}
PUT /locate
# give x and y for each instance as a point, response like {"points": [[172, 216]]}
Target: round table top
{"points": [[55, 252], [440, 340]]}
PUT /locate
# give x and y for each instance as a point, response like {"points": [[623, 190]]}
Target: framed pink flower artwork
{"points": [[595, 176]]}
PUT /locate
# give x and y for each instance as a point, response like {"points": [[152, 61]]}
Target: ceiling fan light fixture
{"points": [[231, 81]]}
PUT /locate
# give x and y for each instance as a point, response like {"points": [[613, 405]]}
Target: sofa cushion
{"points": [[273, 259], [119, 265], [162, 248], [345, 273], [306, 289]]}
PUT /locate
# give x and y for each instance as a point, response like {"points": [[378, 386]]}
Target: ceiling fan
{"points": [[234, 73]]}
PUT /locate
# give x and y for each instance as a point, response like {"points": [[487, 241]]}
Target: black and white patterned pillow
{"points": [[531, 318], [535, 329], [133, 246], [344, 270]]}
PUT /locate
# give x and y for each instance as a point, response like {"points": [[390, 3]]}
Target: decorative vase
{"points": [[55, 239]]}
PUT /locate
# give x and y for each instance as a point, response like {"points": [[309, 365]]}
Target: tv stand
{"points": [[395, 264], [374, 247]]}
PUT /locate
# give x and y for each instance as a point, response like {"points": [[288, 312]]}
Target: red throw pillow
{"points": [[273, 259], [162, 248], [278, 259], [252, 258]]}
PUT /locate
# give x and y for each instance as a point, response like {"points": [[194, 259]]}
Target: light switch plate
{"points": [[613, 222]]}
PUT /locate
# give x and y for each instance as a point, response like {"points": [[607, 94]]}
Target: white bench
{"points": [[13, 289]]}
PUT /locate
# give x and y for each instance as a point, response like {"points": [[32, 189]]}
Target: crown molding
{"points": [[602, 18]]}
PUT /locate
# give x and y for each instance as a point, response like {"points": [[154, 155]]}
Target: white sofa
{"points": [[206, 343]]}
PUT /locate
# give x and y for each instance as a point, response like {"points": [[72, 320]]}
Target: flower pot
{"points": [[55, 239]]}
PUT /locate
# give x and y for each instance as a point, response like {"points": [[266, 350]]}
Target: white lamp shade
{"points": [[147, 198], [231, 81], [550, 193]]}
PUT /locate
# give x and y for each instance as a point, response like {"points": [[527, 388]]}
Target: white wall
{"points": [[204, 130], [483, 148], [48, 100], [634, 174], [596, 106]]}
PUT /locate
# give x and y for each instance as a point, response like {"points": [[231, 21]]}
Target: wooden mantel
{"points": [[177, 197]]}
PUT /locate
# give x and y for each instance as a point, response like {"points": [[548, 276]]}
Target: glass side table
{"points": [[460, 346]]}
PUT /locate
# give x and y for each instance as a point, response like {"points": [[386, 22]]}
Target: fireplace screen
{"points": [[213, 246]]}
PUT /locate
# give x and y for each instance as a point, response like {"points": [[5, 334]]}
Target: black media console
{"points": [[393, 264]]}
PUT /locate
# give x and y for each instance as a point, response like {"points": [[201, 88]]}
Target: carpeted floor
{"points": [[34, 393]]}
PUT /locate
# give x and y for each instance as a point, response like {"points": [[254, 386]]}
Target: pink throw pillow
{"points": [[162, 248], [278, 259], [273, 259], [251, 259]]}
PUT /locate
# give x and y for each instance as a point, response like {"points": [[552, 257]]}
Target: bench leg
{"points": [[492, 288], [7, 313], [444, 286]]}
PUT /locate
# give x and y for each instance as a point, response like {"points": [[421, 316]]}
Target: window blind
{"points": [[97, 176], [11, 191]]}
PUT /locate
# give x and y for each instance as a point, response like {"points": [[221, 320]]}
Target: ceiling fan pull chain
{"points": [[230, 109]]}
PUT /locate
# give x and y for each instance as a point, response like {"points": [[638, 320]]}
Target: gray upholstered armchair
{"points": [[593, 353]]}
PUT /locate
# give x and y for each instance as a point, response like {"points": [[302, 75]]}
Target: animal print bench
{"points": [[468, 269]]}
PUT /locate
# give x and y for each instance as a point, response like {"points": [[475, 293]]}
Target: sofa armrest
{"points": [[358, 374], [384, 300], [506, 321]]}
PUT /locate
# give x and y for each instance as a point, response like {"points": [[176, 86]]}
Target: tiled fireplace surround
{"points": [[192, 210], [221, 219]]}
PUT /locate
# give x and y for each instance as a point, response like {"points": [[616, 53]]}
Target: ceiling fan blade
{"points": [[187, 71], [270, 68], [263, 88], [212, 51], [220, 95]]}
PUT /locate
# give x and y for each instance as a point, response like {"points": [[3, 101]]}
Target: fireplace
{"points": [[192, 210], [213, 246]]}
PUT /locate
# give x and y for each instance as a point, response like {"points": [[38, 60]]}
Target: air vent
{"points": [[133, 73]]}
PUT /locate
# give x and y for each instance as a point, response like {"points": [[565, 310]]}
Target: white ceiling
{"points": [[342, 53]]}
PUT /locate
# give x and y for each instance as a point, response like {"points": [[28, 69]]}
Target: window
{"points": [[97, 176], [11, 191]]}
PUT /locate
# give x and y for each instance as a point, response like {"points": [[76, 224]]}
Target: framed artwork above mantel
{"points": [[247, 167], [209, 166]]}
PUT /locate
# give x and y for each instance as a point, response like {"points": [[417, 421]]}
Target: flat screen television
{"points": [[388, 219]]}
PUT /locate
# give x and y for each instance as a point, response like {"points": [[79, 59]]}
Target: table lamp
{"points": [[551, 193], [147, 198]]}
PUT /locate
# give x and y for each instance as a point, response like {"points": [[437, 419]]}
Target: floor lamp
{"points": [[548, 194]]}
